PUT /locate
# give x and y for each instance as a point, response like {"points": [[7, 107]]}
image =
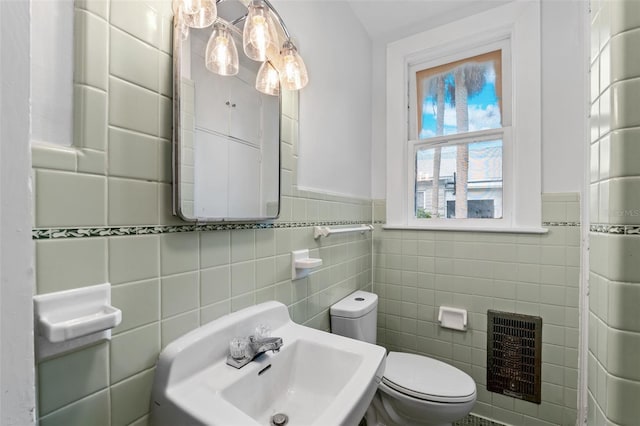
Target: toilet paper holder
{"points": [[454, 318]]}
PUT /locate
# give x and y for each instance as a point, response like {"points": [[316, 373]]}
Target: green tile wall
{"points": [[614, 282], [118, 174], [415, 272]]}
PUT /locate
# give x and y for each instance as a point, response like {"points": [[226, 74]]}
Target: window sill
{"points": [[513, 230]]}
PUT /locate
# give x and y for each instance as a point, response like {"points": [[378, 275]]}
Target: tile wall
{"points": [[415, 272], [103, 214], [614, 283]]}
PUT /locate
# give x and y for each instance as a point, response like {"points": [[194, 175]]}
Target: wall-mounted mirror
{"points": [[226, 133]]}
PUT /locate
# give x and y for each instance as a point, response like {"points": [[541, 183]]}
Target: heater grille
{"points": [[513, 355]]}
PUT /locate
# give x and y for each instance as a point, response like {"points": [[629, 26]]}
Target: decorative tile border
{"points": [[561, 224], [472, 420], [87, 232], [600, 228]]}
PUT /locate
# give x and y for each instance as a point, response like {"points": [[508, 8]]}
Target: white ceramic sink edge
{"points": [[193, 384]]}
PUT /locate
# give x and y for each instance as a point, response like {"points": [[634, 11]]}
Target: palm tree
{"points": [[469, 80], [437, 90], [454, 86]]}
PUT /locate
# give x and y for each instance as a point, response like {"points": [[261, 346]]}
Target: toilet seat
{"points": [[427, 379]]}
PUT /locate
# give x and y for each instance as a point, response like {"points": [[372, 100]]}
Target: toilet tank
{"points": [[356, 316]]}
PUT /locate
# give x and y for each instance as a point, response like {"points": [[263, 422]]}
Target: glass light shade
{"points": [[221, 56], [259, 37], [293, 72], [199, 13], [268, 79]]}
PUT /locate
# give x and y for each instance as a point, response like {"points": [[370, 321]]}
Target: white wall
{"points": [[335, 108], [564, 96], [17, 283], [52, 71], [563, 99]]}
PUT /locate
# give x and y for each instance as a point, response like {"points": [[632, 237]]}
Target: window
{"points": [[463, 124], [455, 176]]}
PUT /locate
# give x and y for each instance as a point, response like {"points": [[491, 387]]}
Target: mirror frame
{"points": [[177, 139]]}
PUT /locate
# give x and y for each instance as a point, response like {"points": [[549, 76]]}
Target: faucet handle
{"points": [[238, 348], [262, 331]]}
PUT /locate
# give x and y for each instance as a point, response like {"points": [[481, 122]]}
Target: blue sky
{"points": [[484, 110]]}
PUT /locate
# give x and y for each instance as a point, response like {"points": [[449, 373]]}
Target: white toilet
{"points": [[415, 390]]}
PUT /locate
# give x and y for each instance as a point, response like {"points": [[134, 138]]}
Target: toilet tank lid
{"points": [[355, 305]]}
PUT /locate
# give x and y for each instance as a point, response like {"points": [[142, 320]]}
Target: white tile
{"points": [[65, 199], [605, 117], [594, 162], [133, 60], [165, 117], [92, 410], [139, 303], [98, 7], [624, 98], [625, 15], [165, 74], [178, 253], [625, 62], [624, 153], [91, 41], [90, 118], [47, 156], [133, 107], [215, 285], [59, 383], [134, 351], [133, 258], [604, 204], [179, 325], [137, 18], [624, 201], [58, 266], [132, 202], [130, 398], [180, 293], [133, 155]]}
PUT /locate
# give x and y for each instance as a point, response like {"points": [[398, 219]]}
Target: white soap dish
{"points": [[59, 328], [81, 315], [301, 263]]}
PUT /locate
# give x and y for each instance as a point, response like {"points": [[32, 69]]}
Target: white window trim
{"points": [[519, 22]]}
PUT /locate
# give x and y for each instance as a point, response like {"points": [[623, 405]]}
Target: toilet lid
{"points": [[427, 378]]}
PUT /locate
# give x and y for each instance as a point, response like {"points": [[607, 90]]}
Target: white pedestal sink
{"points": [[316, 378]]}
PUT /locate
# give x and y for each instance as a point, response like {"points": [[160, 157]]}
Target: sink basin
{"points": [[316, 378]]}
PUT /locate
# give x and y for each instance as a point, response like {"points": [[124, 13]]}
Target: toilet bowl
{"points": [[415, 390]]}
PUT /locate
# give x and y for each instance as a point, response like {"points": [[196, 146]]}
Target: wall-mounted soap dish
{"points": [[72, 318], [301, 263]]}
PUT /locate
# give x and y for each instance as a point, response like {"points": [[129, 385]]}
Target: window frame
{"points": [[445, 56], [502, 133], [518, 22]]}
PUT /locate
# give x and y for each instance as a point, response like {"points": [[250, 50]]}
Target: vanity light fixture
{"points": [[293, 73], [268, 79], [221, 56], [260, 40], [198, 13], [259, 37]]}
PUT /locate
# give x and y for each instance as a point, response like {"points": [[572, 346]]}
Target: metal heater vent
{"points": [[514, 347]]}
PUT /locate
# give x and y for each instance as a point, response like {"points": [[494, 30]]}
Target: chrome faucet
{"points": [[243, 351]]}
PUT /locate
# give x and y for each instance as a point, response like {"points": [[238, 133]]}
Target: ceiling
{"points": [[389, 20]]}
